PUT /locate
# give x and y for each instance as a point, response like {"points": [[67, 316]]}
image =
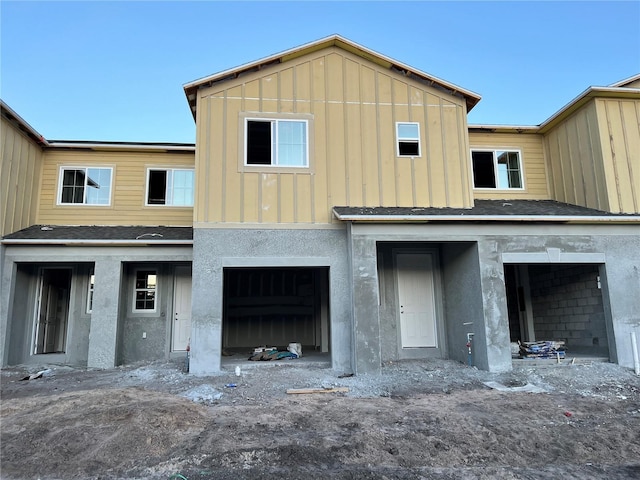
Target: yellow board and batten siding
{"points": [[533, 166], [20, 164], [620, 135], [354, 105], [128, 189], [594, 156]]}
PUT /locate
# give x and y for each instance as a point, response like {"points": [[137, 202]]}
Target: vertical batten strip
{"points": [[312, 180], [596, 174], [15, 172], [223, 172], [614, 160], [345, 120], [203, 184], [413, 161], [429, 180], [327, 134], [629, 158], [444, 152], [242, 174], [463, 141], [363, 160], [573, 160], [580, 158], [396, 170], [379, 154]]}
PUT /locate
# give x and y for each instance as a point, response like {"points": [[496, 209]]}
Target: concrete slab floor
{"points": [[240, 357]]}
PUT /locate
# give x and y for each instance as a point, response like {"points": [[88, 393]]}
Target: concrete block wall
{"points": [[567, 304]]}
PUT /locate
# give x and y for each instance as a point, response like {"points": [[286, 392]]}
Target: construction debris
{"points": [[528, 388], [292, 391], [40, 374], [543, 349]]}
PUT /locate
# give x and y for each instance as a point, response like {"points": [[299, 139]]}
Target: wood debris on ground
{"points": [[318, 390]]}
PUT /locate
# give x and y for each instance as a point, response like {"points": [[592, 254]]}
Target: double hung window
{"points": [[408, 139], [170, 186], [146, 283], [85, 186], [276, 142], [499, 169]]}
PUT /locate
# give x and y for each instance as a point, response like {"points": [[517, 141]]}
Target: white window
{"points": [[170, 186], [92, 280], [408, 139], [499, 169], [144, 294], [85, 186], [276, 142]]}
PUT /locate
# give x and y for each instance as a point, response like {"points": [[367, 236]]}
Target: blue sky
{"points": [[114, 71]]}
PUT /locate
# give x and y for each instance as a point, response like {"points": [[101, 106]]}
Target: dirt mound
{"points": [[416, 420], [93, 432]]}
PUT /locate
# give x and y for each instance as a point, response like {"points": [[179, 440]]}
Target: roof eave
{"points": [[582, 99], [93, 243], [192, 87], [488, 218], [23, 124], [121, 146]]}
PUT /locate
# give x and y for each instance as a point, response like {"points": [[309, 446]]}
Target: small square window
{"points": [[145, 291], [170, 186], [408, 139], [497, 169], [276, 142], [85, 186]]}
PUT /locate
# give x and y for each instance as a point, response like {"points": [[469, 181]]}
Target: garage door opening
{"points": [[273, 307], [557, 303]]}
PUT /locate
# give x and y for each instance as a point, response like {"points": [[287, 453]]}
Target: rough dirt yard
{"points": [[418, 420]]}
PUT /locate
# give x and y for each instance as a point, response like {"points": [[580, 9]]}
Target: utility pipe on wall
{"points": [[636, 359]]}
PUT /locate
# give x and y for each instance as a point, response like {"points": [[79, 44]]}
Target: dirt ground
{"points": [[418, 420]]}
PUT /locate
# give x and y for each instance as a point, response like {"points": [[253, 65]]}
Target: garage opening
{"points": [[274, 307], [561, 304]]}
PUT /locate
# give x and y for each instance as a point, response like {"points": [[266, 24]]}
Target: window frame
{"points": [[64, 168], [245, 117], [494, 151], [146, 289], [400, 139], [172, 170], [90, 289]]}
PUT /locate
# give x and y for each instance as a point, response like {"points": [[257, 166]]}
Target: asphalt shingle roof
{"points": [[481, 208], [106, 233]]}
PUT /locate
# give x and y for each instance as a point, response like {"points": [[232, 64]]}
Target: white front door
{"points": [[416, 300], [182, 309]]}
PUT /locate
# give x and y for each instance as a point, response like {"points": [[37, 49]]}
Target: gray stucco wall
{"points": [[144, 336], [463, 302], [615, 247], [621, 293], [214, 249], [92, 339]]}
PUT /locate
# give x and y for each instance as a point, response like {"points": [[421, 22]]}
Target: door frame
{"points": [[441, 351], [178, 269], [38, 308]]}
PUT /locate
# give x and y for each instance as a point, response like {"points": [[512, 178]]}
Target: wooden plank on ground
{"points": [[317, 390]]}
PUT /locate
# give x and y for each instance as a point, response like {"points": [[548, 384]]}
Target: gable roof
{"points": [[626, 82], [191, 88], [21, 124]]}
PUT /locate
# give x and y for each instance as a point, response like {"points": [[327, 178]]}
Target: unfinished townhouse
{"points": [[335, 198]]}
